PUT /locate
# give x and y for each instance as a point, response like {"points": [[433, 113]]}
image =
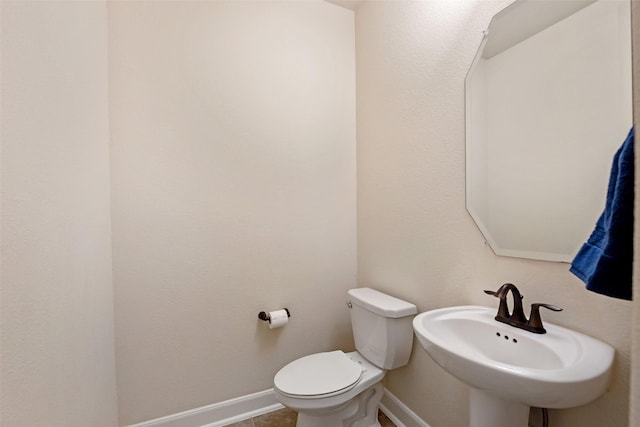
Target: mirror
{"points": [[548, 102]]}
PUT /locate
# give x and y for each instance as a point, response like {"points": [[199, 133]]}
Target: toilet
{"points": [[337, 389]]}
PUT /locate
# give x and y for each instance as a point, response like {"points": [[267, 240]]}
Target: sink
{"points": [[510, 369]]}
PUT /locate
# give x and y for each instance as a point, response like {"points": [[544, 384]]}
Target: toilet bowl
{"points": [[337, 389]]}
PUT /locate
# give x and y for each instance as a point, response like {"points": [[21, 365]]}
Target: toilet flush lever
{"points": [[349, 304]]}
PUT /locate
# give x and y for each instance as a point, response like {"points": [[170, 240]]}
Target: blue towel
{"points": [[605, 261]]}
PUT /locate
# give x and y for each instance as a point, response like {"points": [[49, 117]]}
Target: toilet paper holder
{"points": [[264, 316]]}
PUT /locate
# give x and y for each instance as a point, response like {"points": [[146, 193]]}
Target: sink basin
{"points": [[506, 365]]}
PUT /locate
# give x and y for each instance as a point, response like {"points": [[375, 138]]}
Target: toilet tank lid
{"points": [[380, 303]]}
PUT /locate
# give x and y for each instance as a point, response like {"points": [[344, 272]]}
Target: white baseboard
{"points": [[399, 413], [221, 413], [245, 407]]}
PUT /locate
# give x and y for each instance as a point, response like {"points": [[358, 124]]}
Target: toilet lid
{"points": [[318, 374]]}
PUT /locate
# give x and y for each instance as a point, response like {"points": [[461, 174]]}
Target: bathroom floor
{"points": [[287, 418]]}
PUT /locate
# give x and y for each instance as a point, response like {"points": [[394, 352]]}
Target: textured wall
{"points": [[233, 185], [415, 238], [634, 413], [56, 297]]}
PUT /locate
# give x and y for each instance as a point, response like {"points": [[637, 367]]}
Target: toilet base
{"points": [[361, 411]]}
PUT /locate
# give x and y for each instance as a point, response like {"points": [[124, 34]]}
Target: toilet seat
{"points": [[318, 375]]}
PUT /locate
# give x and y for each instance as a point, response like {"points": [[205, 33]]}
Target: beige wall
{"points": [[634, 413], [56, 295], [233, 185], [415, 238]]}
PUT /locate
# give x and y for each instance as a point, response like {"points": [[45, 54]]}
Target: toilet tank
{"points": [[382, 327]]}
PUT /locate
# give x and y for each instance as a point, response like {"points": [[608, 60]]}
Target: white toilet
{"points": [[336, 389]]}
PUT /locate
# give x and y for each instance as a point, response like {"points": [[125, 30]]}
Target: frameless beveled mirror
{"points": [[548, 102]]}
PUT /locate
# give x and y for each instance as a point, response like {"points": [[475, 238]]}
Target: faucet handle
{"points": [[502, 291], [503, 309], [549, 306], [535, 321]]}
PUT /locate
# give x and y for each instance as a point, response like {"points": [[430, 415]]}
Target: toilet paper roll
{"points": [[278, 318]]}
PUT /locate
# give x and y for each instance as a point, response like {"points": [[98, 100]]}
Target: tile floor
{"points": [[287, 418]]}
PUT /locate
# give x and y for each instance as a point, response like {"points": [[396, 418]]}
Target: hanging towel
{"points": [[605, 261]]}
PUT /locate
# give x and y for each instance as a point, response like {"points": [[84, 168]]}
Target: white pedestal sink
{"points": [[510, 369]]}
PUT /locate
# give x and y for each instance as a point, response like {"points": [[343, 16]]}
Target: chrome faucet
{"points": [[516, 317]]}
